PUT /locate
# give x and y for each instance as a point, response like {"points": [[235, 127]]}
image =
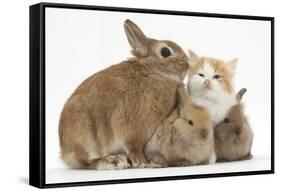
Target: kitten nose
{"points": [[207, 83]]}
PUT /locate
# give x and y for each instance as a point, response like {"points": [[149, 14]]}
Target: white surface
{"points": [[14, 95], [80, 43], [70, 175]]}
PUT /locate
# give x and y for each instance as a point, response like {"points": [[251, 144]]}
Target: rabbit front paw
{"points": [[138, 160]]}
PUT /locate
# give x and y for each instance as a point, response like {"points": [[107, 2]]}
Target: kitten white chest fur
{"points": [[218, 106]]}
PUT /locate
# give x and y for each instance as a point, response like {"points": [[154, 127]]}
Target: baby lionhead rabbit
{"points": [[233, 136], [113, 113], [184, 138]]}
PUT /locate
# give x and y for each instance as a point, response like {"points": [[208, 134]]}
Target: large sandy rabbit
{"points": [[113, 113], [184, 138], [233, 136]]}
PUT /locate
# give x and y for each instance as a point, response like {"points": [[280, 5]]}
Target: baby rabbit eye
{"points": [[216, 76], [165, 52], [200, 74], [190, 122], [226, 120]]}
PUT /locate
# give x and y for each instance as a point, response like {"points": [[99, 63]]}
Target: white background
{"points": [[14, 94], [80, 43]]}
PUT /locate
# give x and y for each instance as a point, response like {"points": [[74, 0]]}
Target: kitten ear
{"points": [[233, 63], [194, 58]]}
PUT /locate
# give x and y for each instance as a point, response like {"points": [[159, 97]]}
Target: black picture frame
{"points": [[37, 94]]}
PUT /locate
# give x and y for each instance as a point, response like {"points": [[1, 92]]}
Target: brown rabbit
{"points": [[184, 138], [233, 136], [113, 113]]}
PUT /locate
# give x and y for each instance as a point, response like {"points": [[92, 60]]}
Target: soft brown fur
{"points": [[178, 142], [233, 136], [116, 110]]}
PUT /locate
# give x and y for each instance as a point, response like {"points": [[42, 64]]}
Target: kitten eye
{"points": [[165, 52], [190, 122], [216, 76], [226, 120], [200, 74]]}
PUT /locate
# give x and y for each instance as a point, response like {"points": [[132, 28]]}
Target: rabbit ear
{"points": [[183, 100], [194, 58], [240, 94], [136, 38]]}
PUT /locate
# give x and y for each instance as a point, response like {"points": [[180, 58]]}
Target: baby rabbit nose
{"points": [[203, 133], [237, 130]]}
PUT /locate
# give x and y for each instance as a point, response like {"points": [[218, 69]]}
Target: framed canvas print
{"points": [[121, 95]]}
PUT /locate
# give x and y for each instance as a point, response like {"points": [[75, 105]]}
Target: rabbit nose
{"points": [[237, 130], [203, 133], [183, 60]]}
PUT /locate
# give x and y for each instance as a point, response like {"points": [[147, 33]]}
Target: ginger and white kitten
{"points": [[210, 85]]}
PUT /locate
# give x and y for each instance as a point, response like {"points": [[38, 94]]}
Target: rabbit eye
{"points": [[200, 74], [216, 76], [190, 122], [165, 52], [226, 120]]}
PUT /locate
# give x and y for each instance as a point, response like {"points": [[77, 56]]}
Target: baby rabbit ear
{"points": [[240, 94], [136, 38], [194, 58], [183, 100]]}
